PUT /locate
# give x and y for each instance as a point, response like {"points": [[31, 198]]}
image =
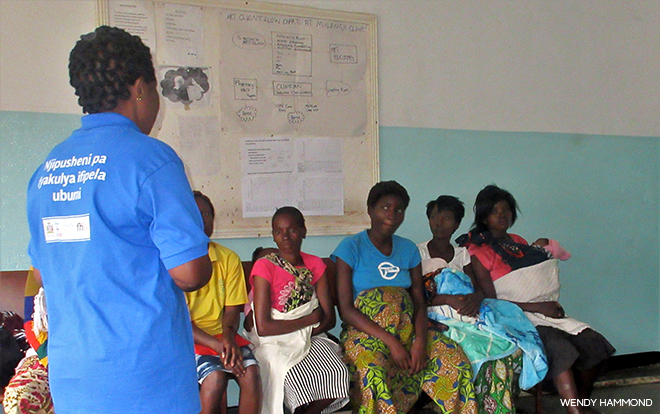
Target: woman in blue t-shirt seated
{"points": [[392, 353]]}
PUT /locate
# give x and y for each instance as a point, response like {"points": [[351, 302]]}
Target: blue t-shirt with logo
{"points": [[371, 268], [110, 211]]}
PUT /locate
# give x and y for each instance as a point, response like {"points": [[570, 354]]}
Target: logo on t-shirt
{"points": [[388, 271], [67, 229]]}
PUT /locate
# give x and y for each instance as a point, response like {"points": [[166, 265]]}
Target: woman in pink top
{"points": [[574, 359], [300, 367]]}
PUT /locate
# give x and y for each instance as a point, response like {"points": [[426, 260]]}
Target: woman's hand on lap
{"points": [[418, 355], [400, 355]]}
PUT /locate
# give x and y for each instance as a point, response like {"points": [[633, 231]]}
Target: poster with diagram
{"points": [[249, 87], [289, 74]]}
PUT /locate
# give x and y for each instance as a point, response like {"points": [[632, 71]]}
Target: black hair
{"points": [[447, 203], [200, 195], [10, 356], [258, 251], [485, 202], [255, 253], [293, 212], [387, 188], [104, 63]]}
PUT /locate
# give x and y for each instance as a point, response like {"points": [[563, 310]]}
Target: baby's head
{"points": [[260, 252]]}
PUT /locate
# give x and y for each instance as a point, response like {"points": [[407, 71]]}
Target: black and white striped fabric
{"points": [[320, 375]]}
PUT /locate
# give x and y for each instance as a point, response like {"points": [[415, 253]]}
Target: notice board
{"points": [[267, 105]]}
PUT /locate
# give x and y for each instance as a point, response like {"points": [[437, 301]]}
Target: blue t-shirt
{"points": [[371, 268], [110, 211]]}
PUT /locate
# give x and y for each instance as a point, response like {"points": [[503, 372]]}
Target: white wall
{"points": [[35, 40], [524, 65]]}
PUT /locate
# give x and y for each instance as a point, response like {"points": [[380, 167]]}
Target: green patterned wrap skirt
{"points": [[379, 386]]}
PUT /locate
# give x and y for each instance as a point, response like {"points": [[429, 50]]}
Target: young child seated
{"points": [[214, 310]]}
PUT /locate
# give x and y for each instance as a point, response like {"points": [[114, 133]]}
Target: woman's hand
{"points": [[550, 309], [400, 355], [471, 304], [418, 355], [467, 305]]}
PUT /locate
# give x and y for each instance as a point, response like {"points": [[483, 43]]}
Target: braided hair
{"points": [[103, 64]]}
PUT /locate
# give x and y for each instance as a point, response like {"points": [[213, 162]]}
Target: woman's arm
{"points": [[225, 346], [482, 278], [418, 350], [549, 309], [361, 322], [472, 301], [265, 324], [325, 300], [192, 275]]}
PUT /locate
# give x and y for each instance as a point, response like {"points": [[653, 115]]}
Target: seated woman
{"points": [[507, 267], [292, 307], [392, 353], [491, 332], [28, 391]]}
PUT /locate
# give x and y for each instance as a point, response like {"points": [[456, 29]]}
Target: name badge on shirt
{"points": [[67, 228]]}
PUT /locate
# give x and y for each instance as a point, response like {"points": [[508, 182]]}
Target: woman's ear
{"points": [[139, 88]]}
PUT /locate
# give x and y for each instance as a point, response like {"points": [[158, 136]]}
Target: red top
{"points": [[492, 261], [282, 281]]}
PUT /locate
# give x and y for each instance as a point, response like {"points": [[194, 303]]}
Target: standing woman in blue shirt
{"points": [[392, 354], [116, 237]]}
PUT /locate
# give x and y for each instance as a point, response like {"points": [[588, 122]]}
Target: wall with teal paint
{"points": [[25, 140], [597, 195], [556, 68]]}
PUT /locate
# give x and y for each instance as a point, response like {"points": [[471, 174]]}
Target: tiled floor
{"points": [[618, 392], [632, 396], [628, 391]]}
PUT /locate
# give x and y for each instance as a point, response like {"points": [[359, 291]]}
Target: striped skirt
{"points": [[320, 375]]}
